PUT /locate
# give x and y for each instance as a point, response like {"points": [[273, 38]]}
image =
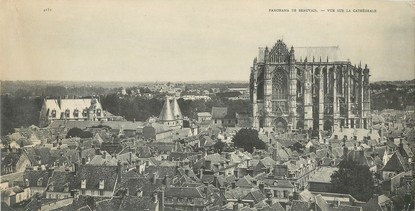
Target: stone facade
{"points": [[308, 87]]}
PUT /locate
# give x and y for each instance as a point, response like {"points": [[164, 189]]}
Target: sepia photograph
{"points": [[207, 105]]}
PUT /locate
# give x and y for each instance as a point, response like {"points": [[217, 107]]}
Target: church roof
{"points": [[176, 109], [166, 113], [333, 53]]}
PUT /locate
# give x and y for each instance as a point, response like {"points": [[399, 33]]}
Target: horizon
{"points": [[196, 42]]}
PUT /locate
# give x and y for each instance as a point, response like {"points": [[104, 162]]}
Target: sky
{"points": [[179, 40]]}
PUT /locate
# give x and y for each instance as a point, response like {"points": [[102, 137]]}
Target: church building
{"points": [[171, 114], [308, 87]]}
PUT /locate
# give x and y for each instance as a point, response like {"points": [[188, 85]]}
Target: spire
{"points": [[176, 109], [166, 113]]}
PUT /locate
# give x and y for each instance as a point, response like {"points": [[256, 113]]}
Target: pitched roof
{"points": [[35, 176], [93, 175], [219, 112], [396, 163], [333, 53]]}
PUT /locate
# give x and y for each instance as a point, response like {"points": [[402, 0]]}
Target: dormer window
{"points": [[83, 184], [40, 181], [67, 113], [76, 113], [101, 184], [66, 188], [53, 113], [51, 187]]}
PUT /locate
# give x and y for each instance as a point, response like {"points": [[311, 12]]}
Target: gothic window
{"points": [[280, 86]]}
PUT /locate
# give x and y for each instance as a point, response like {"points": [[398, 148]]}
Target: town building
{"points": [[88, 109], [308, 87]]}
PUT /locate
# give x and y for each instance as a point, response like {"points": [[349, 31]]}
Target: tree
{"points": [[77, 132], [353, 179], [248, 139], [219, 146]]}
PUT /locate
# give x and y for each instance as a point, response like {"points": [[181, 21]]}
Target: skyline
{"points": [[197, 41]]}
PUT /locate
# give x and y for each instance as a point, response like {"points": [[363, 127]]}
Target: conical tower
{"points": [[166, 115], [177, 113]]}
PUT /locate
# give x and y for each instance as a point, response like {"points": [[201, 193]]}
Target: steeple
{"points": [[176, 109], [166, 113]]}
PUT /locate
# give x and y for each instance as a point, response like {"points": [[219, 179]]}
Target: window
{"points": [[101, 184], [216, 121], [101, 192], [76, 113], [280, 85], [40, 181], [83, 192], [84, 113], [98, 112], [53, 113], [67, 112], [83, 183]]}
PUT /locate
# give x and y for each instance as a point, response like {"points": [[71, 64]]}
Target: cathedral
{"points": [[308, 87]]}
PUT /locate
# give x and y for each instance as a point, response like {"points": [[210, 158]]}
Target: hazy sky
{"points": [[193, 40]]}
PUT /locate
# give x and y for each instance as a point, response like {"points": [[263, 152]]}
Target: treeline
{"points": [[19, 112], [140, 109], [392, 99]]}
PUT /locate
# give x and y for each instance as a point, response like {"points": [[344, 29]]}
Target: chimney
{"points": [[235, 206], [206, 188], [269, 199], [167, 181], [200, 173], [154, 178], [208, 165], [236, 172], [262, 187], [119, 170], [161, 202]]}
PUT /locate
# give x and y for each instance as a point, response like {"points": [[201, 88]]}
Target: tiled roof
{"points": [[396, 163], [300, 206], [144, 184], [323, 174], [33, 176], [93, 175], [219, 112], [183, 192], [60, 179]]}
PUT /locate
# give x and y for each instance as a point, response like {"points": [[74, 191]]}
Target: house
{"points": [[204, 117], [157, 131], [320, 181], [224, 117], [60, 185], [15, 160], [192, 197], [395, 165], [37, 179], [97, 180]]}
